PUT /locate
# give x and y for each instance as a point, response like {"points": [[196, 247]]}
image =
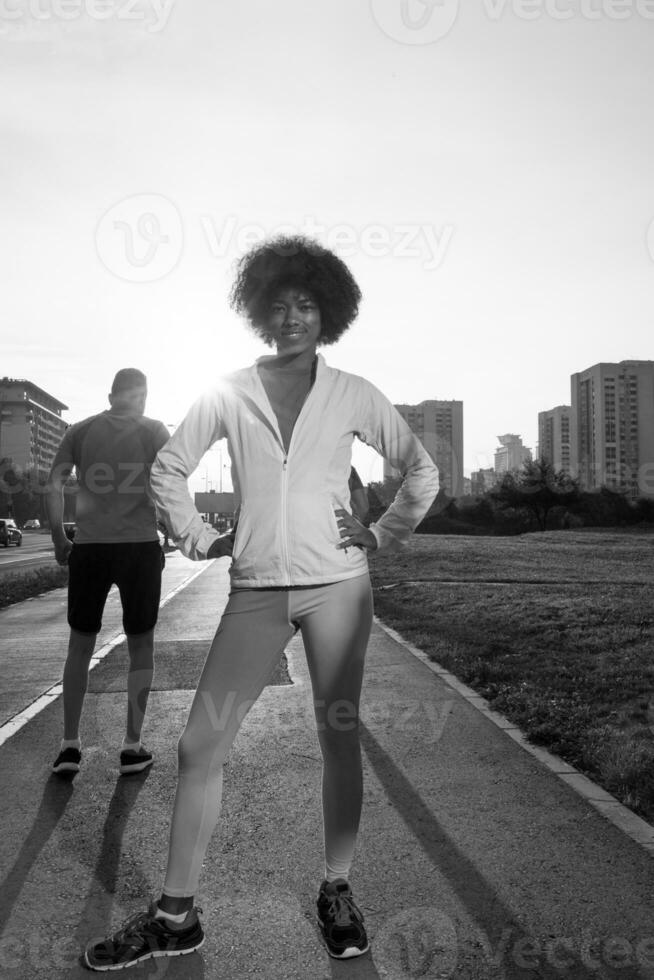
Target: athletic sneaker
{"points": [[131, 761], [341, 921], [68, 760], [143, 937]]}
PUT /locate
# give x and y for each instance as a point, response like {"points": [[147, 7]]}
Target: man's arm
{"points": [[55, 507], [359, 504], [358, 496]]}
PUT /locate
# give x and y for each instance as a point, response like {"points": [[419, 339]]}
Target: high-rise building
{"points": [[439, 426], [554, 426], [612, 441], [31, 426], [511, 455], [481, 481]]}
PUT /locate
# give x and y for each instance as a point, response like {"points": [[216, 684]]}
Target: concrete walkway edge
{"points": [[628, 822]]}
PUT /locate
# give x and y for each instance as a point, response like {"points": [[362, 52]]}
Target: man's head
{"points": [[129, 392]]}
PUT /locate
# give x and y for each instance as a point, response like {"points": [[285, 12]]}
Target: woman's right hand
{"points": [[222, 547]]}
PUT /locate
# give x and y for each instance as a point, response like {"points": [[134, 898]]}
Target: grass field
{"points": [[555, 629]]}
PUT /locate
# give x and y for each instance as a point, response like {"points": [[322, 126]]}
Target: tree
{"points": [[536, 489], [606, 507], [16, 494]]}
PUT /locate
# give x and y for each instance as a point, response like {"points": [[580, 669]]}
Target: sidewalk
{"points": [[474, 860]]}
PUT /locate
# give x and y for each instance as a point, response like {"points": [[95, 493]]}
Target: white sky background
{"points": [[523, 146]]}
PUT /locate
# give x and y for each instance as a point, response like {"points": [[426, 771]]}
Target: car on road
{"points": [[9, 533], [32, 525]]}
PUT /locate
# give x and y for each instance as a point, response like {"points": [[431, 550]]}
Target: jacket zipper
{"points": [[286, 552], [286, 557]]}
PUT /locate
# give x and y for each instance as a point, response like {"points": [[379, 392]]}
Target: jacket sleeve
{"points": [[173, 465], [387, 432]]}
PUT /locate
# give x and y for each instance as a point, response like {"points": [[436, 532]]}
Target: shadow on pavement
{"points": [[56, 794], [96, 914], [361, 968], [492, 917], [96, 919]]}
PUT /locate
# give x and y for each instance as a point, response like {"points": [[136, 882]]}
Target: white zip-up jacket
{"points": [[287, 531]]}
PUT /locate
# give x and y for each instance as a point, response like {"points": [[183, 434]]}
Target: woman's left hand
{"points": [[353, 533]]}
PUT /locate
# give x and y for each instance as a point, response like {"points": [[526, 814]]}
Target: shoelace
{"points": [[341, 908], [131, 929]]}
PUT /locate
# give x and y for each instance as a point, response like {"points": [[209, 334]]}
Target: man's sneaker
{"points": [[340, 920], [143, 937], [68, 760], [131, 761]]}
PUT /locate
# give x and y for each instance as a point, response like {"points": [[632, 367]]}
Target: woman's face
{"points": [[293, 322]]}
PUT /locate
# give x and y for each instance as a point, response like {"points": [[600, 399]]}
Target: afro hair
{"points": [[302, 262]]}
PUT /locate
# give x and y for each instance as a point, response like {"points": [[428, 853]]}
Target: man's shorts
{"points": [[135, 567]]}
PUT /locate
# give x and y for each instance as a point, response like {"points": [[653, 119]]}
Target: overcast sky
{"points": [[487, 172]]}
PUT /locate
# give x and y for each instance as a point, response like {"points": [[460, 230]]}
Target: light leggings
{"points": [[256, 625]]}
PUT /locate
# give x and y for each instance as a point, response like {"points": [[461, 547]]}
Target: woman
{"points": [[299, 557]]}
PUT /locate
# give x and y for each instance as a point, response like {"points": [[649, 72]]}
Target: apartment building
{"points": [[511, 455], [612, 441], [554, 433], [31, 426], [439, 426]]}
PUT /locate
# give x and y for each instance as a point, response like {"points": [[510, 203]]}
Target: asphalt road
{"points": [[36, 549]]}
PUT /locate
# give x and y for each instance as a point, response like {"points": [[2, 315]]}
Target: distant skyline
{"points": [[484, 169]]}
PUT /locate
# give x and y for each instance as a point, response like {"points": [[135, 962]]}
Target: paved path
{"points": [[474, 860], [34, 638]]}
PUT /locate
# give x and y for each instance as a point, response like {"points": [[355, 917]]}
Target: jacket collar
{"points": [[251, 387], [266, 358]]}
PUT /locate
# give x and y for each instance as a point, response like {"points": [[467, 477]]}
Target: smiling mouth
{"points": [[293, 333]]}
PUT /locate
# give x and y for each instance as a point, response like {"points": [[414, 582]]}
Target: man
{"points": [[116, 542], [358, 497]]}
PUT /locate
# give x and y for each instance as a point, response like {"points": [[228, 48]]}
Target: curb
{"points": [[641, 832]]}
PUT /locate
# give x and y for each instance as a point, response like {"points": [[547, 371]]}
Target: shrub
{"points": [[17, 586]]}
